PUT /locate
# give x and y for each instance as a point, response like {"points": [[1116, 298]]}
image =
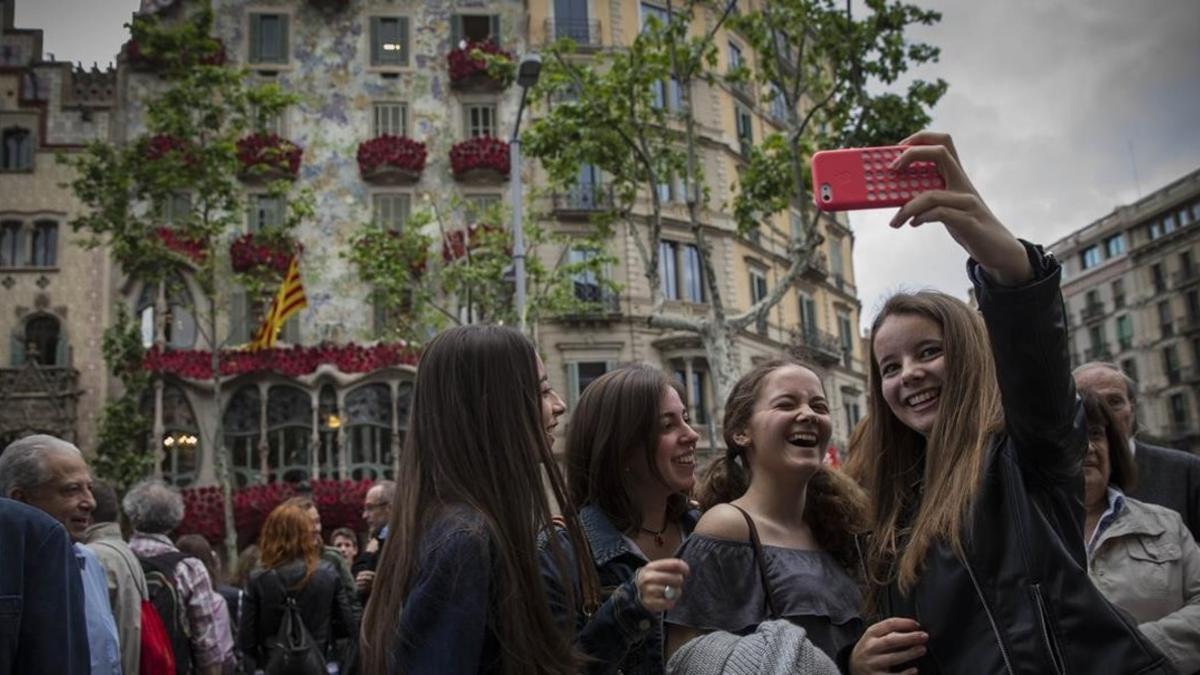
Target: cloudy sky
{"points": [[1061, 110]]}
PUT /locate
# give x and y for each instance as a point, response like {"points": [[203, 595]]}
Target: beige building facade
{"points": [[1132, 286]]}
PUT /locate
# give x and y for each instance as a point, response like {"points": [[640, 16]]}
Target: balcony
{"points": [[742, 90], [38, 399], [580, 201], [818, 267], [1189, 325], [1100, 352], [1092, 312], [585, 32], [810, 344], [1185, 277]]}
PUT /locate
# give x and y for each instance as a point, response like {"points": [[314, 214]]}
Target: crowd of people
{"points": [[997, 515]]}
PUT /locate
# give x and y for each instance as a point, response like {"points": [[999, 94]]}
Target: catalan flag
{"points": [[289, 300]]}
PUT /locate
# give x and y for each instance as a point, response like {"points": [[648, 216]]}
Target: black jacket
{"points": [[1169, 478], [325, 605], [1021, 601]]}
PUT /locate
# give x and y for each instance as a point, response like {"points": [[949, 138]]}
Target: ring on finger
{"points": [[669, 593]]}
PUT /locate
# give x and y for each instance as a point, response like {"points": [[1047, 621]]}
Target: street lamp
{"points": [[527, 76]]}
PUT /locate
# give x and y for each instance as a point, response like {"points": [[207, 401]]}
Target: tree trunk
{"points": [[221, 456]]}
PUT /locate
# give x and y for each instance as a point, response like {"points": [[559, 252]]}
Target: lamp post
{"points": [[527, 76]]}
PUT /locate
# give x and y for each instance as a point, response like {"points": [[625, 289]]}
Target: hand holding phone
{"points": [[860, 178]]}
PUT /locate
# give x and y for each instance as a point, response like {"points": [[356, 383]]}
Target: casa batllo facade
{"points": [[362, 69]]}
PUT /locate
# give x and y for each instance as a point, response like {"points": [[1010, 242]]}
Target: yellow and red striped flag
{"points": [[289, 300]]}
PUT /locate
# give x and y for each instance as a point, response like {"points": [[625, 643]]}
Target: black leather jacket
{"points": [[328, 610], [1021, 601]]}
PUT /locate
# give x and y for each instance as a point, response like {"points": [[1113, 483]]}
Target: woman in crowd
{"points": [[458, 587], [973, 464], [777, 538], [224, 619], [1143, 558], [631, 457], [292, 568], [346, 543]]}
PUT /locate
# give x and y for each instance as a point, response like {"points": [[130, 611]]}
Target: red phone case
{"points": [[859, 178]]}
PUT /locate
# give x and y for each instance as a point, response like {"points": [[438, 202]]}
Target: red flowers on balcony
{"points": [[166, 146], [468, 71], [188, 247], [196, 364], [269, 155], [339, 502], [391, 159], [480, 154], [251, 253]]}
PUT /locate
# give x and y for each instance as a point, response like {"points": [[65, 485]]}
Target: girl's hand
{"points": [[655, 577], [887, 644], [960, 208]]}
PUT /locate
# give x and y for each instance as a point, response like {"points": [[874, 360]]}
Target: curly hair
{"points": [[286, 536]]}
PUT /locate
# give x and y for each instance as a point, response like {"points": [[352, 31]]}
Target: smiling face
{"points": [[552, 404], [675, 454], [910, 355], [790, 425], [67, 493]]}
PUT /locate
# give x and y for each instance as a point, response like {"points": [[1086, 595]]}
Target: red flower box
{"points": [[166, 146], [189, 247], [196, 364], [464, 67], [391, 153], [481, 152], [269, 153], [248, 253]]}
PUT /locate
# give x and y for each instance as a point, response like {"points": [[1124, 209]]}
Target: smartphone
{"points": [[851, 179]]}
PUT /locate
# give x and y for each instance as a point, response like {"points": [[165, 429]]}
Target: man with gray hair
{"points": [[50, 474], [155, 509], [377, 511], [1165, 476]]}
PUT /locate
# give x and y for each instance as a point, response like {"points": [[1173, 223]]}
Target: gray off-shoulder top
{"points": [[724, 591]]}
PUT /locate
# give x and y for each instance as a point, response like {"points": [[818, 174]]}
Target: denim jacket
{"points": [[621, 637]]}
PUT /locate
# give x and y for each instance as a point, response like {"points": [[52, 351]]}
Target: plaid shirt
{"points": [[196, 589]]}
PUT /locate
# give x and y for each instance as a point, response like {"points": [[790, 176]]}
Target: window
{"points": [[1179, 409], [17, 153], [241, 423], [389, 41], [1186, 266], [268, 38], [479, 120], [668, 95], [779, 108], [571, 21], [369, 432], [1165, 320], [1193, 305], [267, 123], [177, 208], [667, 269], [180, 330], [328, 423], [1089, 257], [587, 281], [43, 342], [181, 437], [289, 433], [695, 393], [1130, 368], [265, 212], [1118, 293], [474, 28], [1184, 216], [745, 131], [846, 337], [1099, 341], [658, 13], [836, 265], [853, 413], [1158, 278], [390, 210], [735, 58], [1155, 230], [1170, 359], [45, 244], [1168, 223], [693, 274], [389, 119], [758, 291], [582, 373], [1114, 245], [12, 251], [1125, 331], [808, 315]]}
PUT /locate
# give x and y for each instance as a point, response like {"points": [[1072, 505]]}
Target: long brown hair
{"points": [[476, 439], [616, 420], [286, 536], [935, 478], [835, 507]]}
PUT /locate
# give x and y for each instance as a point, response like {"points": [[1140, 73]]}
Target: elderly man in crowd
{"points": [[377, 511], [155, 510], [50, 474], [42, 624], [1165, 476], [126, 583]]}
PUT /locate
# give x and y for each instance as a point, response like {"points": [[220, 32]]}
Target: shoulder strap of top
{"points": [[759, 561], [587, 578]]}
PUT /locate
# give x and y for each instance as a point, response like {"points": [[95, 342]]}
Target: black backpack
{"points": [[292, 651], [166, 598]]}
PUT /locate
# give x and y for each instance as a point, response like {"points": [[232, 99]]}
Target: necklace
{"points": [[658, 536]]}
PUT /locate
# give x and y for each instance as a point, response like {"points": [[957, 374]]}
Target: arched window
{"points": [[43, 342], [181, 438], [181, 325], [241, 422], [16, 153], [328, 424], [369, 432], [289, 433]]}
